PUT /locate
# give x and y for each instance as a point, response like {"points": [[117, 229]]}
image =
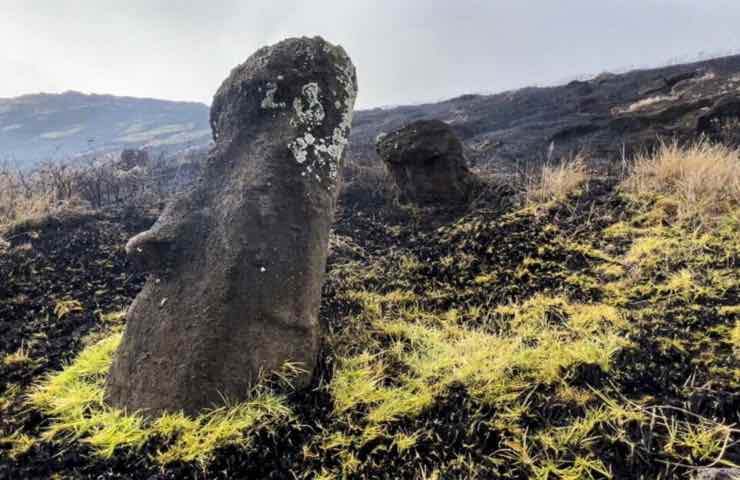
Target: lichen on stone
{"points": [[309, 111], [269, 103], [326, 152]]}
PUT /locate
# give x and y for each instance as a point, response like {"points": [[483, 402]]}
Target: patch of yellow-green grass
{"points": [[17, 443], [11, 393], [682, 283], [196, 440], [576, 395], [115, 318], [419, 358], [647, 269], [587, 429], [403, 441], [735, 339], [700, 442], [610, 271], [652, 251], [73, 399]]}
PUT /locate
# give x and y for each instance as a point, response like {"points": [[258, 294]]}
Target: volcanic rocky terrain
{"points": [[590, 334]]}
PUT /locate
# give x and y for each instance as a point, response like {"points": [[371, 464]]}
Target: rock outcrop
{"points": [[237, 264], [426, 161]]}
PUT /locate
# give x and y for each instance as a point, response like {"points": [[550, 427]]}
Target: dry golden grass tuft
{"points": [[704, 178], [556, 182]]}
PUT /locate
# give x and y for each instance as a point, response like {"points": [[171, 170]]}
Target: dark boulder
{"points": [[237, 263], [426, 161], [722, 122]]}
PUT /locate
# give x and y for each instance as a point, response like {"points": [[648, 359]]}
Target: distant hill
{"points": [[37, 127], [603, 117]]}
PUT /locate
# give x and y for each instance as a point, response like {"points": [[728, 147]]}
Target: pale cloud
{"points": [[405, 51]]}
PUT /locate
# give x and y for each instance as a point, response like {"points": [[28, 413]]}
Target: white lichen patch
{"points": [[309, 112], [322, 154], [269, 103], [299, 147]]}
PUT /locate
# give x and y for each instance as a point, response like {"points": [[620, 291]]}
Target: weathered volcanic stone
{"points": [[718, 474], [427, 163], [237, 264]]}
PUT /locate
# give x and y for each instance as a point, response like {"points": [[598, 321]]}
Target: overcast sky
{"points": [[406, 51]]}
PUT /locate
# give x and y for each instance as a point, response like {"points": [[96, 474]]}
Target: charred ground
{"points": [[623, 319]]}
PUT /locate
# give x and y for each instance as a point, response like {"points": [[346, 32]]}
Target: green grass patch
{"points": [[73, 399]]}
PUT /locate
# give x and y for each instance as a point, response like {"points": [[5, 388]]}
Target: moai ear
{"points": [[153, 250], [150, 251]]}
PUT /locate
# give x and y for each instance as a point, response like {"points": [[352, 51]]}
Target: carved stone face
{"points": [[427, 162], [237, 264], [436, 174]]}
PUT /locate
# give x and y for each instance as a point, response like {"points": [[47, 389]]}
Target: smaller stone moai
{"points": [[426, 161], [237, 264]]}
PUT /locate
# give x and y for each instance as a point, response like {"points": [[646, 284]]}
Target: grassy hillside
{"points": [[35, 128], [585, 328]]}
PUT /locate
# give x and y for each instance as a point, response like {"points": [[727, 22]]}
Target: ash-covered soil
{"points": [[674, 364], [40, 268]]}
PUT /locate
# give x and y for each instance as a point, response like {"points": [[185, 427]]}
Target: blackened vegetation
{"points": [[80, 261], [447, 259], [603, 117], [54, 264]]}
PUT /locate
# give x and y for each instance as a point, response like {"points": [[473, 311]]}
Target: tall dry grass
{"points": [[556, 182], [18, 202], [704, 178]]}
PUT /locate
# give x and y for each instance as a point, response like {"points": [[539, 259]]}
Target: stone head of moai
{"points": [[236, 265], [427, 163]]}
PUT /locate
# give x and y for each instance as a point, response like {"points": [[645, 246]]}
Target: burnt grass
{"points": [[86, 262], [58, 262]]}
